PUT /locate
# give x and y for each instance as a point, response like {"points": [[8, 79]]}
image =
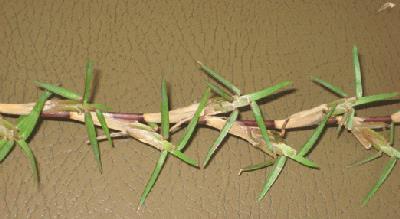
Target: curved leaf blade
{"points": [[224, 131], [304, 161], [59, 91], [273, 175], [192, 125], [260, 122], [103, 123], [91, 130], [330, 87], [153, 178], [385, 173], [367, 159], [29, 154], [219, 78]]}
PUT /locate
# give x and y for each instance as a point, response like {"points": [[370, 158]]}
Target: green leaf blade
{"points": [[357, 72], [103, 123], [164, 111], [268, 91], [59, 91], [88, 81], [91, 130], [375, 98], [153, 178], [5, 148], [256, 166], [27, 123], [367, 159], [304, 161], [385, 173], [192, 125], [316, 134], [29, 154], [260, 122], [224, 131], [220, 79], [220, 92], [273, 175], [184, 158], [334, 89]]}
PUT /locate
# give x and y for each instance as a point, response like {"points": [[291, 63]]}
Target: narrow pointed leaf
{"points": [[258, 166], [88, 81], [59, 91], [357, 72], [273, 175], [184, 158], [391, 133], [29, 154], [314, 137], [5, 148], [91, 130], [195, 119], [375, 98], [164, 111], [153, 177], [28, 122], [220, 79], [220, 92], [268, 91], [260, 122], [224, 131], [304, 161], [350, 119], [330, 87], [367, 159], [385, 173], [104, 126]]}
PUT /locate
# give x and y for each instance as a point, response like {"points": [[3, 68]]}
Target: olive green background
{"points": [[135, 44]]}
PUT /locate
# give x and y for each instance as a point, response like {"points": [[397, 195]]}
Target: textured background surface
{"points": [[134, 44]]}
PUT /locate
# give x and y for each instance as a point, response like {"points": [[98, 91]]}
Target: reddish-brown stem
{"points": [[131, 117]]}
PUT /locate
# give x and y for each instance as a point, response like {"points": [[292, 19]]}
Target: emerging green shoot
{"points": [[385, 173], [260, 122], [192, 125], [334, 89], [222, 134], [357, 72], [220, 79], [273, 175], [316, 134]]}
